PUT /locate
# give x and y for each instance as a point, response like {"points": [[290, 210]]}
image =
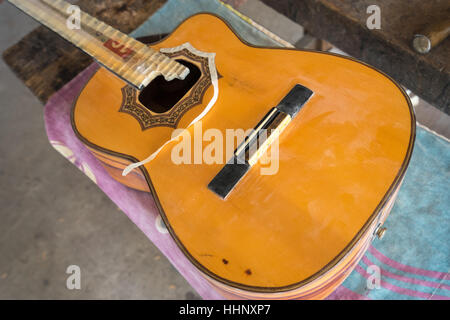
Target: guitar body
{"points": [[294, 234]]}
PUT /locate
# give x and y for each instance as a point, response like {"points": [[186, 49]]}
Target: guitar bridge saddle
{"points": [[259, 140]]}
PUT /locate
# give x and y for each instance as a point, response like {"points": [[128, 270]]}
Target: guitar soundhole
{"points": [[161, 95]]}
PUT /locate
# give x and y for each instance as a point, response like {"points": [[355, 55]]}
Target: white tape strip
{"points": [[215, 83]]}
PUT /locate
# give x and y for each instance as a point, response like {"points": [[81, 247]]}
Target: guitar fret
{"points": [[174, 68], [128, 73], [134, 60], [101, 27], [154, 56], [167, 67]]}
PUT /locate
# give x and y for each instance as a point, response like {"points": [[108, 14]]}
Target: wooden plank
{"points": [[45, 62], [343, 23]]}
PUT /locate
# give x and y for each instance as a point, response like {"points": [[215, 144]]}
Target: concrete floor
{"points": [[52, 216]]}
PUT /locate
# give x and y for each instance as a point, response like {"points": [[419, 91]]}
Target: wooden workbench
{"points": [[343, 23]]}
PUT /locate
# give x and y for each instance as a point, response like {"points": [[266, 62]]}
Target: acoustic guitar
{"points": [[317, 145]]}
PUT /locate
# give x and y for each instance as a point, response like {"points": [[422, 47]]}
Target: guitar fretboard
{"points": [[128, 58]]}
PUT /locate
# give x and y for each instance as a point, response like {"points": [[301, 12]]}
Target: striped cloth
{"points": [[413, 258]]}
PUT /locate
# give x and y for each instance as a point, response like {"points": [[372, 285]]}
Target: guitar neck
{"points": [[123, 55]]}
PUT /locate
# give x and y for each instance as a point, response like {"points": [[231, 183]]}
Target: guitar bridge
{"points": [[259, 140]]}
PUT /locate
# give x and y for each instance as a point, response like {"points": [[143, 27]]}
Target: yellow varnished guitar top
{"points": [[340, 159]]}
